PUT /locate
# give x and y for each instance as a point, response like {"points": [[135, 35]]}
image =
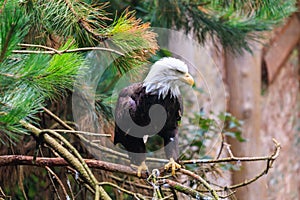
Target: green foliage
{"points": [[13, 27], [233, 23], [210, 127], [17, 105], [232, 126], [27, 82], [59, 73], [160, 54], [67, 18]]}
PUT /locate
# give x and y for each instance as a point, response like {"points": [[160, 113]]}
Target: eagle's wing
{"points": [[125, 111], [125, 105]]}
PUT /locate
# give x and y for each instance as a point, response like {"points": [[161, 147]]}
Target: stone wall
{"points": [[280, 120]]}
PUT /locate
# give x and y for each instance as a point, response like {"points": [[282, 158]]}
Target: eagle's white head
{"points": [[167, 74]]}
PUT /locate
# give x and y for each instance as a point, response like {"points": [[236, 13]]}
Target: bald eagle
{"points": [[153, 106]]}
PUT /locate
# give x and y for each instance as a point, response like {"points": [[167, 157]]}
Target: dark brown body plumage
{"points": [[133, 121]]}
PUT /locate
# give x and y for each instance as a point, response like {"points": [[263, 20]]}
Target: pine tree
{"points": [[44, 47]]}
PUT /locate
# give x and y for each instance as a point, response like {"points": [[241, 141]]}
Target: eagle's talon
{"points": [[172, 165], [142, 167]]}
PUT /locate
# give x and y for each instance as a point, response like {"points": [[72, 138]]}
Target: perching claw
{"points": [[142, 167], [173, 165]]}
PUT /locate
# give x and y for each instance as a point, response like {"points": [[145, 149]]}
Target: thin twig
{"points": [[69, 45], [228, 195], [40, 46], [68, 51], [56, 118], [123, 190], [9, 75], [167, 197], [80, 159], [233, 158], [182, 188], [80, 132], [3, 195], [152, 179], [246, 182], [50, 177], [122, 180], [58, 181], [83, 139], [78, 179], [222, 145], [202, 181], [270, 161], [229, 150], [70, 187]]}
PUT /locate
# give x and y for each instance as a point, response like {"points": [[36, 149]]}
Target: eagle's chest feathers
{"points": [[169, 106]]}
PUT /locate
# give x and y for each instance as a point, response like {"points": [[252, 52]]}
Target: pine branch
{"points": [[74, 160], [13, 25], [233, 23], [17, 105]]}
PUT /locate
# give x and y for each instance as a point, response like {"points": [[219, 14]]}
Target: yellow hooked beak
{"points": [[187, 78]]}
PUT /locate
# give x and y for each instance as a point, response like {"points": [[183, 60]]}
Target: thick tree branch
{"points": [[13, 160], [112, 167], [75, 161]]}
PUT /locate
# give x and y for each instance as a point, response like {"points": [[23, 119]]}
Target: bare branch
{"points": [[270, 161], [13, 160], [56, 118], [239, 159], [222, 145], [136, 195], [58, 180], [40, 46], [79, 132], [52, 52], [182, 188], [3, 195], [202, 181]]}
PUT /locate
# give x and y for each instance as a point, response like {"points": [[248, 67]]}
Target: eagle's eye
{"points": [[179, 71]]}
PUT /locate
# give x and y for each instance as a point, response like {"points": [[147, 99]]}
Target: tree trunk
{"points": [[243, 74]]}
